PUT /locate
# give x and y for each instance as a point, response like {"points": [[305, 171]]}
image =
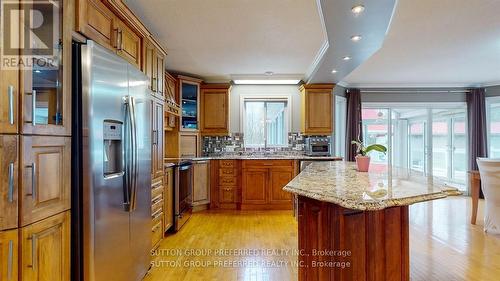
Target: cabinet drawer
{"points": [[227, 194], [228, 181], [226, 163], [156, 208], [9, 165], [227, 172], [156, 191], [266, 163], [157, 234]]}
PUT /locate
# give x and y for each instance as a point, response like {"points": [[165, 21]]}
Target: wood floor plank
{"points": [[443, 246]]}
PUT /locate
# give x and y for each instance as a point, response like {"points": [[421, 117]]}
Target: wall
{"points": [[266, 91]]}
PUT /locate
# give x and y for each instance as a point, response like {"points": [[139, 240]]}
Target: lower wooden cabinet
{"points": [[168, 198], [201, 183], [278, 178], [9, 166], [9, 256], [45, 249], [157, 212], [45, 177], [254, 186]]}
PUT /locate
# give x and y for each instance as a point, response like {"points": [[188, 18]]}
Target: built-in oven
{"points": [[318, 146], [183, 193]]}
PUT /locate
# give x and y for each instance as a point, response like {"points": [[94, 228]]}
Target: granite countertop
{"points": [[168, 161], [340, 183]]}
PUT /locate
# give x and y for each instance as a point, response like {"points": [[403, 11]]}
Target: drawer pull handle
{"points": [[11, 183], [10, 92], [10, 260], [33, 107], [33, 252]]}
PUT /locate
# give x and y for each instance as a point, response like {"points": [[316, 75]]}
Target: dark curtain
{"points": [[354, 125], [476, 115]]}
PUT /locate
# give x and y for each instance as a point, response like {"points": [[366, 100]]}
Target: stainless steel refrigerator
{"points": [[112, 167]]}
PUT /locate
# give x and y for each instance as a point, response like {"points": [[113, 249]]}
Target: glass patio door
{"points": [[417, 146]]}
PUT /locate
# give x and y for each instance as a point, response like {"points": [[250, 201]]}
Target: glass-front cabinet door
{"points": [[46, 81], [189, 93]]}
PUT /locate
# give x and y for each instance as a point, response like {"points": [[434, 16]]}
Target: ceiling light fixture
{"points": [[266, 81], [358, 9], [334, 71], [356, 38], [346, 58]]}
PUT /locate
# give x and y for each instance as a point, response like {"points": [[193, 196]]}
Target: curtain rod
{"points": [[417, 91]]}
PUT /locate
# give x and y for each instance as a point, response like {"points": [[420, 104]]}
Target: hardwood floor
{"points": [[444, 246]]}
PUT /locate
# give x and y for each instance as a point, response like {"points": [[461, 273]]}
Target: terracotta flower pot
{"points": [[363, 163]]}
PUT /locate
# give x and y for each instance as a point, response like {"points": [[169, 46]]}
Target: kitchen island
{"points": [[353, 225]]}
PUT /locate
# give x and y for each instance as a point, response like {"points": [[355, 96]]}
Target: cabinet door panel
{"points": [[157, 139], [149, 66], [45, 249], [128, 44], [319, 111], [168, 197], [160, 73], [46, 177], [9, 255], [95, 21], [278, 178], [9, 94], [188, 145], [254, 186], [8, 181], [227, 194], [215, 112], [201, 183]]}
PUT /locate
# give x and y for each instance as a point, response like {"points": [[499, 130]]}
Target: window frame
{"points": [[265, 98], [488, 102]]}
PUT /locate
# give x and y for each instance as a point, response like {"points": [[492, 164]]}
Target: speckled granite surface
{"points": [[340, 183], [256, 157]]}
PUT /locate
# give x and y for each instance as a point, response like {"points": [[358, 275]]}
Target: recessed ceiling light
{"points": [[358, 9], [269, 73], [356, 38], [334, 71], [346, 58], [37, 71]]}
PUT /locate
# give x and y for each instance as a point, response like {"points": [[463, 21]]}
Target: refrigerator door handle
{"points": [[134, 175], [127, 183]]}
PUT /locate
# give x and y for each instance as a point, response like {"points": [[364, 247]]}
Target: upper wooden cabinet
{"points": [[45, 88], [45, 249], [45, 177], [9, 166], [154, 67], [9, 257], [96, 21], [168, 198], [317, 109], [189, 97], [215, 109], [99, 23]]}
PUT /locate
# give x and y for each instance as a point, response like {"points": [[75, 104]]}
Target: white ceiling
{"points": [[219, 38], [453, 43]]}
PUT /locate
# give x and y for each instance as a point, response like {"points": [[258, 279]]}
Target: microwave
{"points": [[318, 146]]}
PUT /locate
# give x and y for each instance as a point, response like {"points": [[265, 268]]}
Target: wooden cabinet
{"points": [[45, 249], [154, 68], [278, 178], [127, 43], [9, 99], [201, 183], [189, 144], [157, 138], [45, 89], [96, 21], [317, 109], [9, 257], [45, 177], [262, 184], [254, 186], [189, 97], [168, 198], [215, 109], [9, 167]]}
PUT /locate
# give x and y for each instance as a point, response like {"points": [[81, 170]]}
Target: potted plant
{"points": [[362, 159]]}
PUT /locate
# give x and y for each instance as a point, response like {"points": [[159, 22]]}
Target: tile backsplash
{"points": [[218, 145]]}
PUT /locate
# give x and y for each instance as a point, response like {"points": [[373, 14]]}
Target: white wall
{"points": [[237, 91]]}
